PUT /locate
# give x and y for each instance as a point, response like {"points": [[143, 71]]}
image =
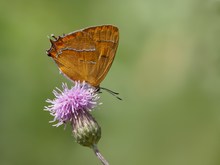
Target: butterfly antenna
{"points": [[112, 93]]}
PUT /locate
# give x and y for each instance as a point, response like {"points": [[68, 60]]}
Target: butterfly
{"points": [[86, 54]]}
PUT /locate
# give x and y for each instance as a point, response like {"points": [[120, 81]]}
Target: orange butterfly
{"points": [[87, 54]]}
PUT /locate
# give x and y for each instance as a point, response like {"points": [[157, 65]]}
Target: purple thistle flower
{"points": [[73, 105], [69, 103]]}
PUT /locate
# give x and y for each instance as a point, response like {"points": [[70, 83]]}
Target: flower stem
{"points": [[99, 155]]}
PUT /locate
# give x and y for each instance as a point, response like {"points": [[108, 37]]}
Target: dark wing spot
{"points": [[104, 56]]}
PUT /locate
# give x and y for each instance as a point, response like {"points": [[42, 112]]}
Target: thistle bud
{"points": [[86, 130]]}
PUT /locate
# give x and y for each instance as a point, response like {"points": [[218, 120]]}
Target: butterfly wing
{"points": [[86, 55]]}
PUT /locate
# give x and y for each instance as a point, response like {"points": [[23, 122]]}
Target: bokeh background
{"points": [[167, 70]]}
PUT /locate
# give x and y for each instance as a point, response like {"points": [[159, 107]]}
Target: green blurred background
{"points": [[167, 70]]}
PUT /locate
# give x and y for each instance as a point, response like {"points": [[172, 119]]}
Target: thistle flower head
{"points": [[69, 103], [73, 105]]}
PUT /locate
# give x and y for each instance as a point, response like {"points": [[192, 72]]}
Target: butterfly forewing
{"points": [[86, 55]]}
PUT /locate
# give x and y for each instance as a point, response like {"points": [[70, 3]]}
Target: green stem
{"points": [[99, 155]]}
